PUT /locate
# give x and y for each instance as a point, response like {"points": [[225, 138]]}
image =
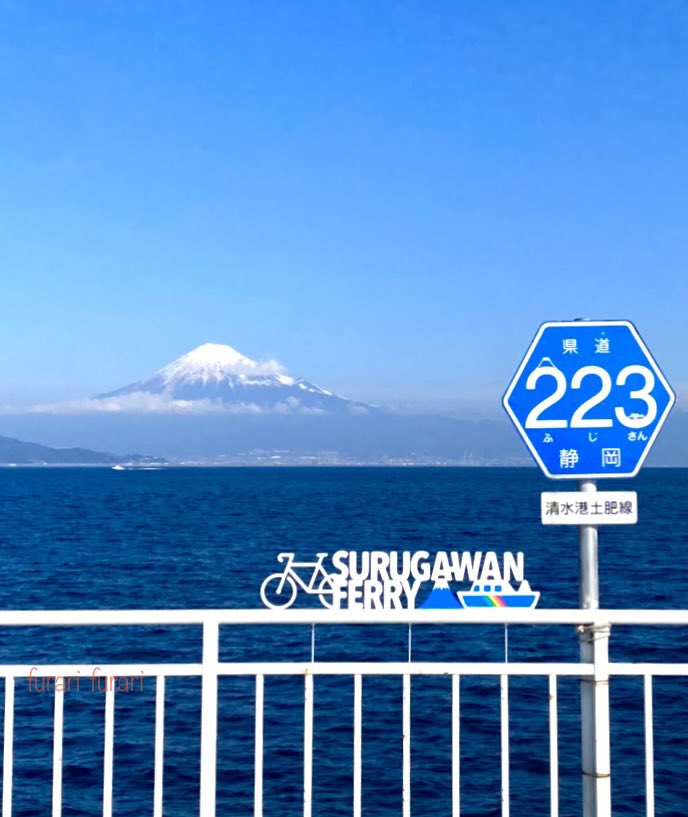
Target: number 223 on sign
{"points": [[588, 399]]}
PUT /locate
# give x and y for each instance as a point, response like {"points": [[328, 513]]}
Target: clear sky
{"points": [[387, 197]]}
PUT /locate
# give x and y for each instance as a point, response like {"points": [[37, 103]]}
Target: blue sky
{"points": [[387, 197]]}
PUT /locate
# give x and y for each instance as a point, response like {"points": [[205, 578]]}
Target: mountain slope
{"points": [[23, 453], [215, 377], [216, 405], [215, 435]]}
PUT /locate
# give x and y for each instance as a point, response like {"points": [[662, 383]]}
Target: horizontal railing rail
{"points": [[435, 668], [211, 668], [100, 618]]}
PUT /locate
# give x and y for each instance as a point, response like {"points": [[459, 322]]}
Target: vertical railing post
{"points": [[456, 747], [504, 720], [211, 657], [553, 748], [406, 747], [258, 748], [159, 750], [649, 750], [109, 747], [8, 748], [308, 745], [57, 751], [594, 649], [358, 743]]}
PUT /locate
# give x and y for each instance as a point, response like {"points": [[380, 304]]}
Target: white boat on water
{"points": [[145, 465], [136, 467]]}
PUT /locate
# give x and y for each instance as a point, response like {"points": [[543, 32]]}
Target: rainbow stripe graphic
{"points": [[474, 599]]}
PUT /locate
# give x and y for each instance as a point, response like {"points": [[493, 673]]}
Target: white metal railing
{"points": [[211, 668]]}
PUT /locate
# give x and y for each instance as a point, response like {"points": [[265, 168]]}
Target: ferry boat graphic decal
{"points": [[499, 594]]}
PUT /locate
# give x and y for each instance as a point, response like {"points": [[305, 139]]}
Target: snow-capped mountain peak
{"points": [[215, 376], [216, 361]]}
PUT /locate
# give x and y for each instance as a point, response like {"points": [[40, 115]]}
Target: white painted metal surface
{"points": [[649, 750], [8, 749], [553, 748], [108, 751], [211, 652], [597, 671], [258, 748], [142, 618], [456, 746], [58, 721], [578, 508], [307, 745], [504, 719], [159, 745], [406, 747], [358, 743]]}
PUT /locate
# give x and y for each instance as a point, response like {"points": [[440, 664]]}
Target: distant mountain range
{"points": [[17, 452], [215, 405]]}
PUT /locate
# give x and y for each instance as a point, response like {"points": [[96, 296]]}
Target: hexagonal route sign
{"points": [[588, 399]]}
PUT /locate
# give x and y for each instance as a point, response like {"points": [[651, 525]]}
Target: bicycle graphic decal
{"points": [[380, 580], [279, 590]]}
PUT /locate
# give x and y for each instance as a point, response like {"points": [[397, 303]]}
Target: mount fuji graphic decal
{"points": [[440, 598]]}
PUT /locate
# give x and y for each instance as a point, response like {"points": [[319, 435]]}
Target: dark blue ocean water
{"points": [[91, 538]]}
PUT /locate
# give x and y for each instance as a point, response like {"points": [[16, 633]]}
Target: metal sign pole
{"points": [[588, 570], [594, 649], [602, 429]]}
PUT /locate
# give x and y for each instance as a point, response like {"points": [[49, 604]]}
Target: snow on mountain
{"points": [[215, 361], [216, 377]]}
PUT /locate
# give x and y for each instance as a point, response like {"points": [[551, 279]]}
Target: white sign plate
{"points": [[589, 507]]}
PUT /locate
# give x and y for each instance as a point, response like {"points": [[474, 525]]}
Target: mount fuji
{"points": [[215, 377], [215, 405]]}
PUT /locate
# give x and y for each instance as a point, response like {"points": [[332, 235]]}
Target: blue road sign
{"points": [[588, 399]]}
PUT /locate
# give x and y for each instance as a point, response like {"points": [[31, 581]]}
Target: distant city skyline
{"points": [[388, 199]]}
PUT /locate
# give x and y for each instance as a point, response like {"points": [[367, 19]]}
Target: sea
{"points": [[206, 538]]}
